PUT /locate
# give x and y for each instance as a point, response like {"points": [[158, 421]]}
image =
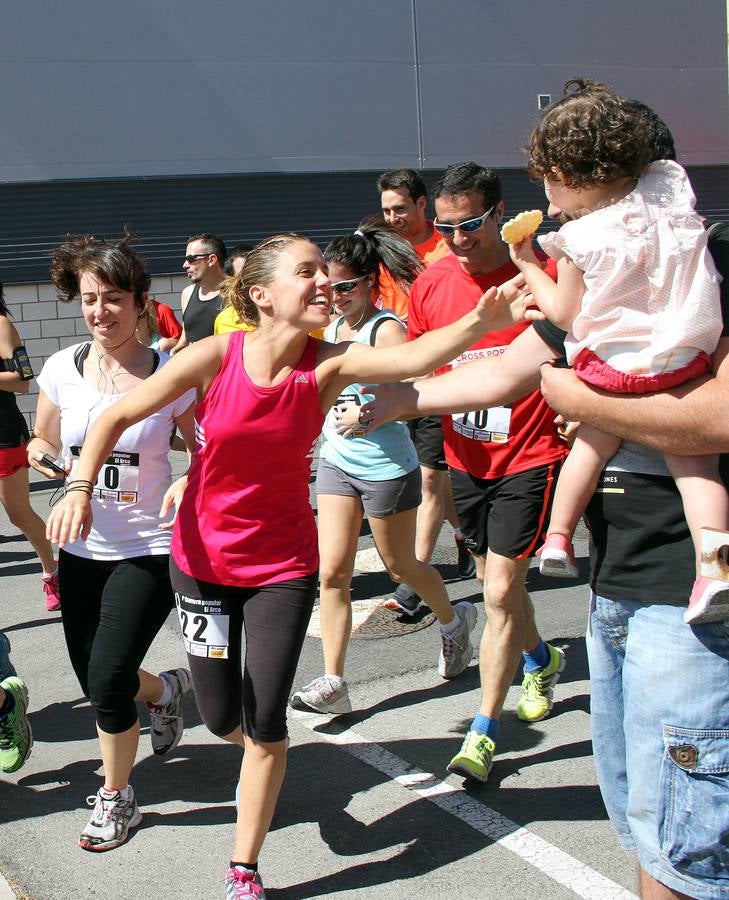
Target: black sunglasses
{"points": [[194, 257], [344, 287]]}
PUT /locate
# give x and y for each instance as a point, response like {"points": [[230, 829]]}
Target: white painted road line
{"points": [[6, 892], [548, 859]]}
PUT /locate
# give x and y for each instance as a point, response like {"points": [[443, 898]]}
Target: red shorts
{"points": [[590, 368], [12, 459]]}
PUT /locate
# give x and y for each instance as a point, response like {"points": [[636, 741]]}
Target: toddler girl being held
{"points": [[637, 293]]}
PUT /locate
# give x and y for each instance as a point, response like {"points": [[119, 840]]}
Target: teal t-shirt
{"points": [[385, 453]]}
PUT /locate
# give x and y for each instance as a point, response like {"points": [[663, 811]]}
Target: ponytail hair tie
{"points": [[358, 233]]}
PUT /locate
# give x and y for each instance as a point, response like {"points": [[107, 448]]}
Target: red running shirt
{"points": [[168, 324], [245, 519], [485, 443]]}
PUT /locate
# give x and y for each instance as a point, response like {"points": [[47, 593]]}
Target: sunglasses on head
{"points": [[467, 227], [344, 287], [194, 257]]}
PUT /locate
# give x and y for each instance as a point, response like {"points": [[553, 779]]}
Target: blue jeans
{"points": [[660, 730], [6, 667]]}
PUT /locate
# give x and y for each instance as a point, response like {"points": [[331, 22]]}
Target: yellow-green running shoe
{"points": [[538, 698], [475, 758], [16, 738]]}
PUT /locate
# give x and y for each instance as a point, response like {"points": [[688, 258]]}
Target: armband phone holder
{"points": [[19, 363]]}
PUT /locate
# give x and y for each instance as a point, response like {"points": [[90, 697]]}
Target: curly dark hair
{"points": [[592, 136], [116, 263]]}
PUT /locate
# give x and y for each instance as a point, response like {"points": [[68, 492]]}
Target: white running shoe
{"points": [[241, 884], [456, 650], [111, 821], [321, 696], [165, 722]]}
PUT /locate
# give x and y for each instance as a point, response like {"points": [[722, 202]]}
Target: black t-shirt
{"points": [[641, 547]]}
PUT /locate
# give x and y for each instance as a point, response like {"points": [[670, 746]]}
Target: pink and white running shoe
{"points": [[557, 557]]}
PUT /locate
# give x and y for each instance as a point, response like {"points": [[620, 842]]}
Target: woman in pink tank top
{"points": [[244, 551]]}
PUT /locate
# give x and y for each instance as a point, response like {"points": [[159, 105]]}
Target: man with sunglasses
{"points": [[503, 461], [200, 301], [404, 201]]}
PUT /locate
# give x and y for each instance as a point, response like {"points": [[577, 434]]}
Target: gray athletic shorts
{"points": [[379, 498]]}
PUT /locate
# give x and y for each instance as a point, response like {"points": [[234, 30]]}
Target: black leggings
{"points": [[111, 613], [275, 618]]}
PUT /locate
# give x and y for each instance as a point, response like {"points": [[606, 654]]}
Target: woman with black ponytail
{"points": [[376, 474]]}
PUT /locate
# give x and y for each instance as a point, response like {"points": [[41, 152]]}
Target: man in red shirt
{"points": [[167, 320], [404, 200], [503, 462]]}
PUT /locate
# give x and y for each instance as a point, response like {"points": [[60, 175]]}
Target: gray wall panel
{"points": [[176, 87], [693, 103], [482, 69], [169, 87], [299, 118], [575, 32]]}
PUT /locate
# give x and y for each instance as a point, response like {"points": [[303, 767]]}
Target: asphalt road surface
{"points": [[367, 809]]}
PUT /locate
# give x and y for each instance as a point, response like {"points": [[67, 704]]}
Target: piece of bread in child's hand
{"points": [[521, 226]]}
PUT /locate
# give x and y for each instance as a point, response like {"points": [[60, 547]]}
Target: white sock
{"points": [[107, 794], [451, 626], [166, 694], [336, 681]]}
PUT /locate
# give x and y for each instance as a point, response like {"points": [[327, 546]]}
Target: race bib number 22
{"points": [[204, 625]]}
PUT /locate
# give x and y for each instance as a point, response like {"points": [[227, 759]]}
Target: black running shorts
{"points": [[427, 435], [508, 515]]}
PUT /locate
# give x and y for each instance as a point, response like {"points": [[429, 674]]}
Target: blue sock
{"points": [[485, 725], [537, 658]]}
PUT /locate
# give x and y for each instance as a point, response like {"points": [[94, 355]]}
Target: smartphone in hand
{"points": [[51, 464]]}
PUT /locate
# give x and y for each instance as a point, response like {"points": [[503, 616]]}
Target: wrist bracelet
{"points": [[81, 481], [84, 490]]}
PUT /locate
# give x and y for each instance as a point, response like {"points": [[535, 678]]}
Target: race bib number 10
{"points": [[204, 626], [490, 425]]}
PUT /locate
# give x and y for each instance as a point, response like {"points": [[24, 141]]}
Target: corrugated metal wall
{"points": [[165, 212]]}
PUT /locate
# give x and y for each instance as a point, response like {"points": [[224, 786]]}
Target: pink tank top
{"points": [[246, 519]]}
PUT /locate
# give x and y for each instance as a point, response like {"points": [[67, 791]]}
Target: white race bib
{"points": [[489, 425], [205, 628], [118, 478]]}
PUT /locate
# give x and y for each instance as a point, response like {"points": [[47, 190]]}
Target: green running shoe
{"points": [[16, 737], [475, 758], [538, 698]]}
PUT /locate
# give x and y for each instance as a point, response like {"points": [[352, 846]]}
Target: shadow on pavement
{"points": [[418, 837]]}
